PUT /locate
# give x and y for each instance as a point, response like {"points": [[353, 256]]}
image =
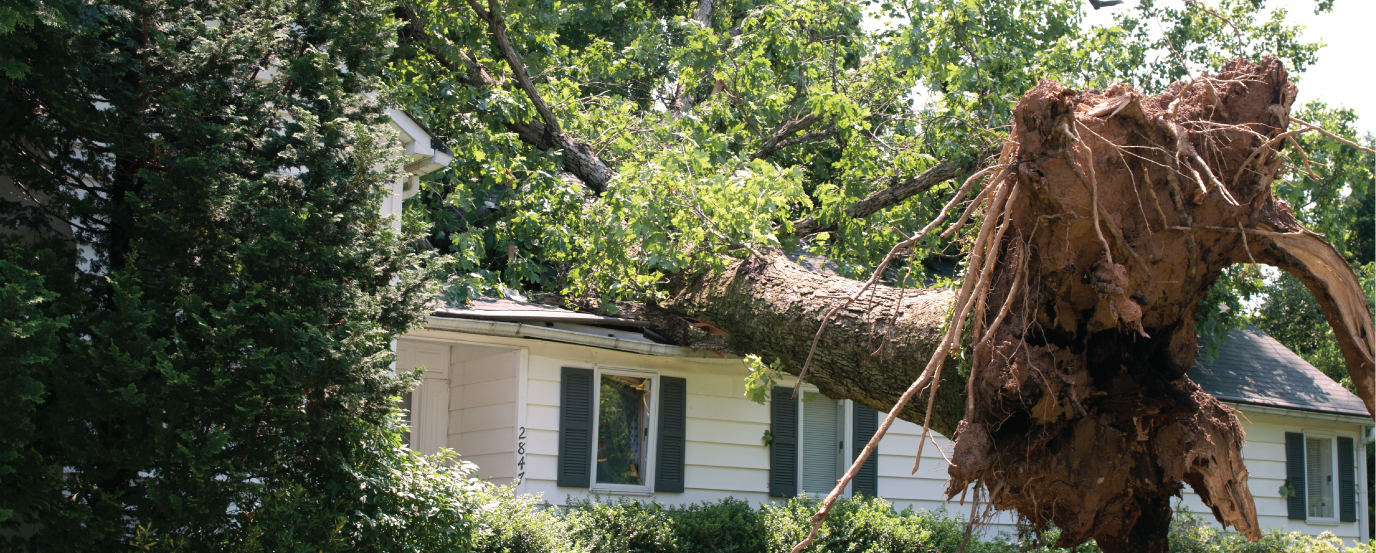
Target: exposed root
{"points": [[1079, 411], [1075, 405], [1325, 132], [930, 375]]}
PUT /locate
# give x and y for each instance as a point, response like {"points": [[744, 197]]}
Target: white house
{"points": [[569, 404]]}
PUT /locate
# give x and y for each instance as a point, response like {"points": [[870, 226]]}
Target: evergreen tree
{"points": [[199, 289]]}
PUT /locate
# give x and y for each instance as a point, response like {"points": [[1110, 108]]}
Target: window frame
{"points": [[650, 439], [1333, 456], [845, 430]]}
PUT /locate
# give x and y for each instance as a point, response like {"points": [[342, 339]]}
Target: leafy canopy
{"points": [[726, 131]]}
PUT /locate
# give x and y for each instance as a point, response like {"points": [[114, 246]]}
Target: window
{"points": [[823, 444], [815, 439], [621, 430], [1320, 482], [1318, 476]]}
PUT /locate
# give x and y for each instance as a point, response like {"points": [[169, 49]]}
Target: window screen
{"points": [[1318, 476], [623, 415], [822, 438]]}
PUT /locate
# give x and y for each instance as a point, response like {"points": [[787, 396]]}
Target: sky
{"points": [[1345, 74]]}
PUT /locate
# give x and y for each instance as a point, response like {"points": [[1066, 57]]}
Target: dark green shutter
{"points": [[669, 451], [1347, 482], [576, 388], [1294, 472], [783, 455], [864, 423]]}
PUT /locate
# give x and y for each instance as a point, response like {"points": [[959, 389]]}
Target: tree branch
{"points": [[781, 137], [894, 194], [683, 99], [579, 159]]}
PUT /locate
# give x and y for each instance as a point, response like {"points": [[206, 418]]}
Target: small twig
{"points": [[1236, 31]]}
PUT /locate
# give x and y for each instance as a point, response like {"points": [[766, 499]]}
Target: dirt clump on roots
{"points": [[1081, 412]]}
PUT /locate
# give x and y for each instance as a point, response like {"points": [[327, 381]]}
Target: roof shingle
{"points": [[1254, 368]]}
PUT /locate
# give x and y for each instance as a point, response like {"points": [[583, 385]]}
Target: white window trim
{"points": [[847, 427], [1337, 497], [649, 444]]}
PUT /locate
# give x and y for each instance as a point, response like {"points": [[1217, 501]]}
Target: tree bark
{"points": [[1078, 410], [870, 352]]}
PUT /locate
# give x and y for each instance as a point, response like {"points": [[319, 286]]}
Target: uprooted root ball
{"points": [[1081, 412]]}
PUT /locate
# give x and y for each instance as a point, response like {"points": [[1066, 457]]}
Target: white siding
{"points": [[1264, 452], [430, 400], [725, 453], [466, 402]]}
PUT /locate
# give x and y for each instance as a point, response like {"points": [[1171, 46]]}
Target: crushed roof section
{"points": [[1254, 368], [500, 309]]}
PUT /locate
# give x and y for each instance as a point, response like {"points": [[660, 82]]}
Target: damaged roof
{"points": [[500, 309], [1253, 368]]}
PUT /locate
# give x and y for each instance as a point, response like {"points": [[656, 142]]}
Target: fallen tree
{"points": [[1111, 217], [1106, 220]]}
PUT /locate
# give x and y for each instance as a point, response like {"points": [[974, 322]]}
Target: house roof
{"points": [[500, 309], [1253, 368]]}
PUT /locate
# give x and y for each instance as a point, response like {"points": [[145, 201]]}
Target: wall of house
{"points": [[1264, 452], [726, 455], [482, 408], [466, 401], [504, 400]]}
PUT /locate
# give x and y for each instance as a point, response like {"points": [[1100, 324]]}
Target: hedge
{"points": [[507, 523]]}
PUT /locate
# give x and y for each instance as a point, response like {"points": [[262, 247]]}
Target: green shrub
{"points": [[507, 523], [621, 526], [502, 522], [1190, 534], [728, 526], [862, 524]]}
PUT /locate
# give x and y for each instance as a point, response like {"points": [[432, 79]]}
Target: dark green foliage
{"points": [[510, 524], [863, 524], [208, 231], [620, 527], [526, 525], [729, 526], [28, 343]]}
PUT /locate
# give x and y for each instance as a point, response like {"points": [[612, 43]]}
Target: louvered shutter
{"points": [[783, 455], [1294, 472], [864, 423], [1347, 482], [669, 454], [575, 427]]}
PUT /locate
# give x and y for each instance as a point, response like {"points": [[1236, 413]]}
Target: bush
{"points": [[507, 523], [1190, 534], [620, 527], [730, 526], [862, 524]]}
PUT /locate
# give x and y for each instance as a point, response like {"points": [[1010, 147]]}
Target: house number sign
{"points": [[521, 454]]}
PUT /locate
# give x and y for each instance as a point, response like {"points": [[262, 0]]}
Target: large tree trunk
{"points": [[1079, 411]]}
